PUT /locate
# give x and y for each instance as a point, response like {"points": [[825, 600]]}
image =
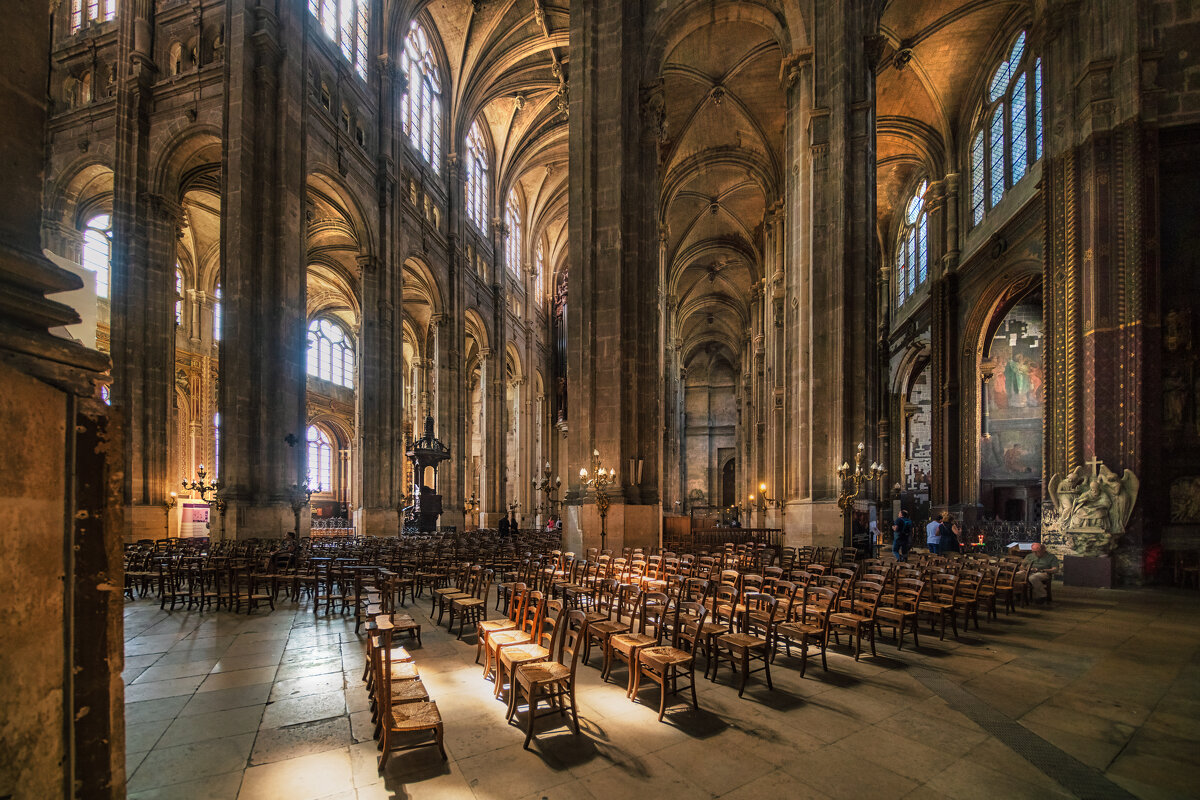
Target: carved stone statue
{"points": [[1063, 492], [1090, 514]]}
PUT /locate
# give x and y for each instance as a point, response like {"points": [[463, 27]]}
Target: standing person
{"points": [[947, 541], [901, 536], [503, 527], [512, 524], [933, 532]]}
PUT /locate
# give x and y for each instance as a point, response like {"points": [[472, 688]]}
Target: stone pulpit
{"points": [[426, 454]]}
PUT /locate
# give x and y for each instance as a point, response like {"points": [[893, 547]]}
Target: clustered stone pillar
{"points": [[263, 344], [614, 355], [1101, 294]]}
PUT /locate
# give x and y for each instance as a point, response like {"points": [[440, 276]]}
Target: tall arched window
{"points": [[320, 460], [178, 296], [217, 321], [97, 250], [330, 352], [346, 23], [539, 272], [477, 178], [912, 251], [1010, 135], [421, 105], [97, 11], [512, 246]]}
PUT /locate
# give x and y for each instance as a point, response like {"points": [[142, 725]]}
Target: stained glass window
{"points": [[97, 250], [330, 352], [977, 181], [1011, 139], [477, 179], [912, 254], [178, 296], [320, 460], [421, 104], [539, 272], [217, 321], [346, 23], [512, 247]]}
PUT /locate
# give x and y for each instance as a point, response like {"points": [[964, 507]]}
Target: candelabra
{"points": [[301, 496], [548, 489], [597, 481], [855, 476], [171, 500], [200, 485]]}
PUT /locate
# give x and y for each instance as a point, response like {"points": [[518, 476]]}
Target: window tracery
{"points": [[346, 23], [477, 178], [330, 352], [421, 104], [320, 460], [512, 245], [97, 250], [912, 251], [1010, 138]]}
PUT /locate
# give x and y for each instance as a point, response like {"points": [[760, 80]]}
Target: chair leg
{"points": [[745, 670], [767, 671]]}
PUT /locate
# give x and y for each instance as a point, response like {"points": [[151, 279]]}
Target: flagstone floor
{"points": [[1102, 690]]}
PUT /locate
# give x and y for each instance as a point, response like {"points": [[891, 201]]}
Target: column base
{"points": [[146, 522], [246, 520], [627, 525], [815, 523], [377, 521]]}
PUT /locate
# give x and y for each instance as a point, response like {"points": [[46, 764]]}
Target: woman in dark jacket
{"points": [[947, 541]]}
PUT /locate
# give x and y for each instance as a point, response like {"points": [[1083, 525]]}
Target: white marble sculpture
{"points": [[1090, 512]]}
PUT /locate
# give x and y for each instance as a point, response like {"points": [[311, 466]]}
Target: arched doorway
{"points": [[728, 484]]}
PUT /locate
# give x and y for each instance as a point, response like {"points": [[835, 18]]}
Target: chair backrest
{"points": [[760, 602], [944, 587], [689, 615], [819, 603], [908, 593], [652, 609], [571, 638]]}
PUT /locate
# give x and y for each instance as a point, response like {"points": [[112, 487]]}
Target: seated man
{"points": [[1042, 566]]}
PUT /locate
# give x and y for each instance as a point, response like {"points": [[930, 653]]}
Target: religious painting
{"points": [[1011, 446]]}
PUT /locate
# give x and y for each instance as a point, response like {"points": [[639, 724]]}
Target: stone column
{"points": [[1105, 287], [142, 284], [614, 358], [262, 387], [835, 117]]}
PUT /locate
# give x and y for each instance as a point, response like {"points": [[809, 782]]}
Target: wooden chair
{"points": [[473, 609], [539, 648], [553, 679], [743, 646], [529, 628], [938, 605], [859, 616], [967, 599], [809, 626], [485, 628], [664, 664], [399, 720], [600, 630], [651, 609], [901, 613]]}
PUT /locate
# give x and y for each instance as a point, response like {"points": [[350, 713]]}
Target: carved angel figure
{"points": [[1124, 492], [1064, 492]]}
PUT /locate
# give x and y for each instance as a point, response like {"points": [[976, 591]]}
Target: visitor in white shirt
{"points": [[932, 531]]}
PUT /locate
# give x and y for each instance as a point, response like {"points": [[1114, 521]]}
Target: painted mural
{"points": [[1011, 447]]}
